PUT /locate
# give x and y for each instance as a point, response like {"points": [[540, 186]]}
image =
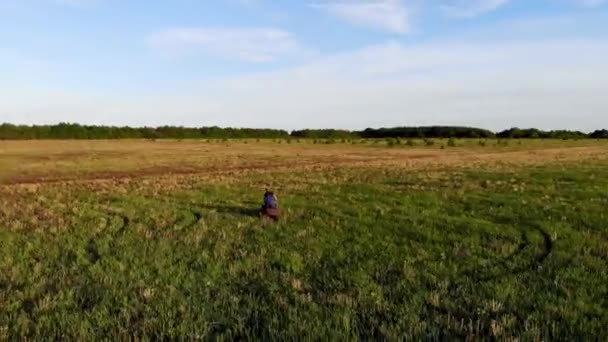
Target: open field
{"points": [[122, 239]]}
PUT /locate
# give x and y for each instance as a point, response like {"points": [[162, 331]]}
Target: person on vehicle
{"points": [[270, 208]]}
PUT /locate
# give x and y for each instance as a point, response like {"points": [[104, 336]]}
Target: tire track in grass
{"points": [[125, 221], [547, 248], [195, 214], [468, 313], [548, 245], [107, 212], [96, 212], [187, 222], [119, 223], [183, 221]]}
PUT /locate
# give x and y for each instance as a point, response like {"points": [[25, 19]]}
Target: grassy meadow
{"points": [[379, 240]]}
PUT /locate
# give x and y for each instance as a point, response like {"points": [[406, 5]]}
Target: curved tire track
{"points": [[195, 214], [187, 221], [125, 221], [547, 249], [467, 313]]}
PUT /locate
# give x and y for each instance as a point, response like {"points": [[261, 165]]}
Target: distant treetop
{"points": [[76, 131]]}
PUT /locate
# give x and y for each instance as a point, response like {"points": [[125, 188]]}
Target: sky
{"points": [[293, 64]]}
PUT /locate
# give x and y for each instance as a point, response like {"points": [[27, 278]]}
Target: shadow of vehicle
{"points": [[235, 210]]}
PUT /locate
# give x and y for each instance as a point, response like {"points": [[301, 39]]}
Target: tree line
{"points": [[76, 131]]}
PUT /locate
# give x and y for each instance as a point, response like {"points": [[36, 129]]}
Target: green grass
{"points": [[359, 253]]}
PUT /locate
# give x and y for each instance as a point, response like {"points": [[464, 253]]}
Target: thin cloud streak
{"points": [[255, 45], [391, 16], [471, 8]]}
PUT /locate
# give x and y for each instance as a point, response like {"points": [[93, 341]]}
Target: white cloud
{"points": [[386, 15], [557, 84], [471, 8], [257, 45], [545, 84], [474, 8], [396, 16]]}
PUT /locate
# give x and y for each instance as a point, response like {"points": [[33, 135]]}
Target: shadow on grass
{"points": [[234, 210]]}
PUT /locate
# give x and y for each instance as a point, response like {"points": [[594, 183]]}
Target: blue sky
{"points": [[295, 64]]}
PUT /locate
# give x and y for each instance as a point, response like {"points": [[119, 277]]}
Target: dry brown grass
{"points": [[31, 163]]}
